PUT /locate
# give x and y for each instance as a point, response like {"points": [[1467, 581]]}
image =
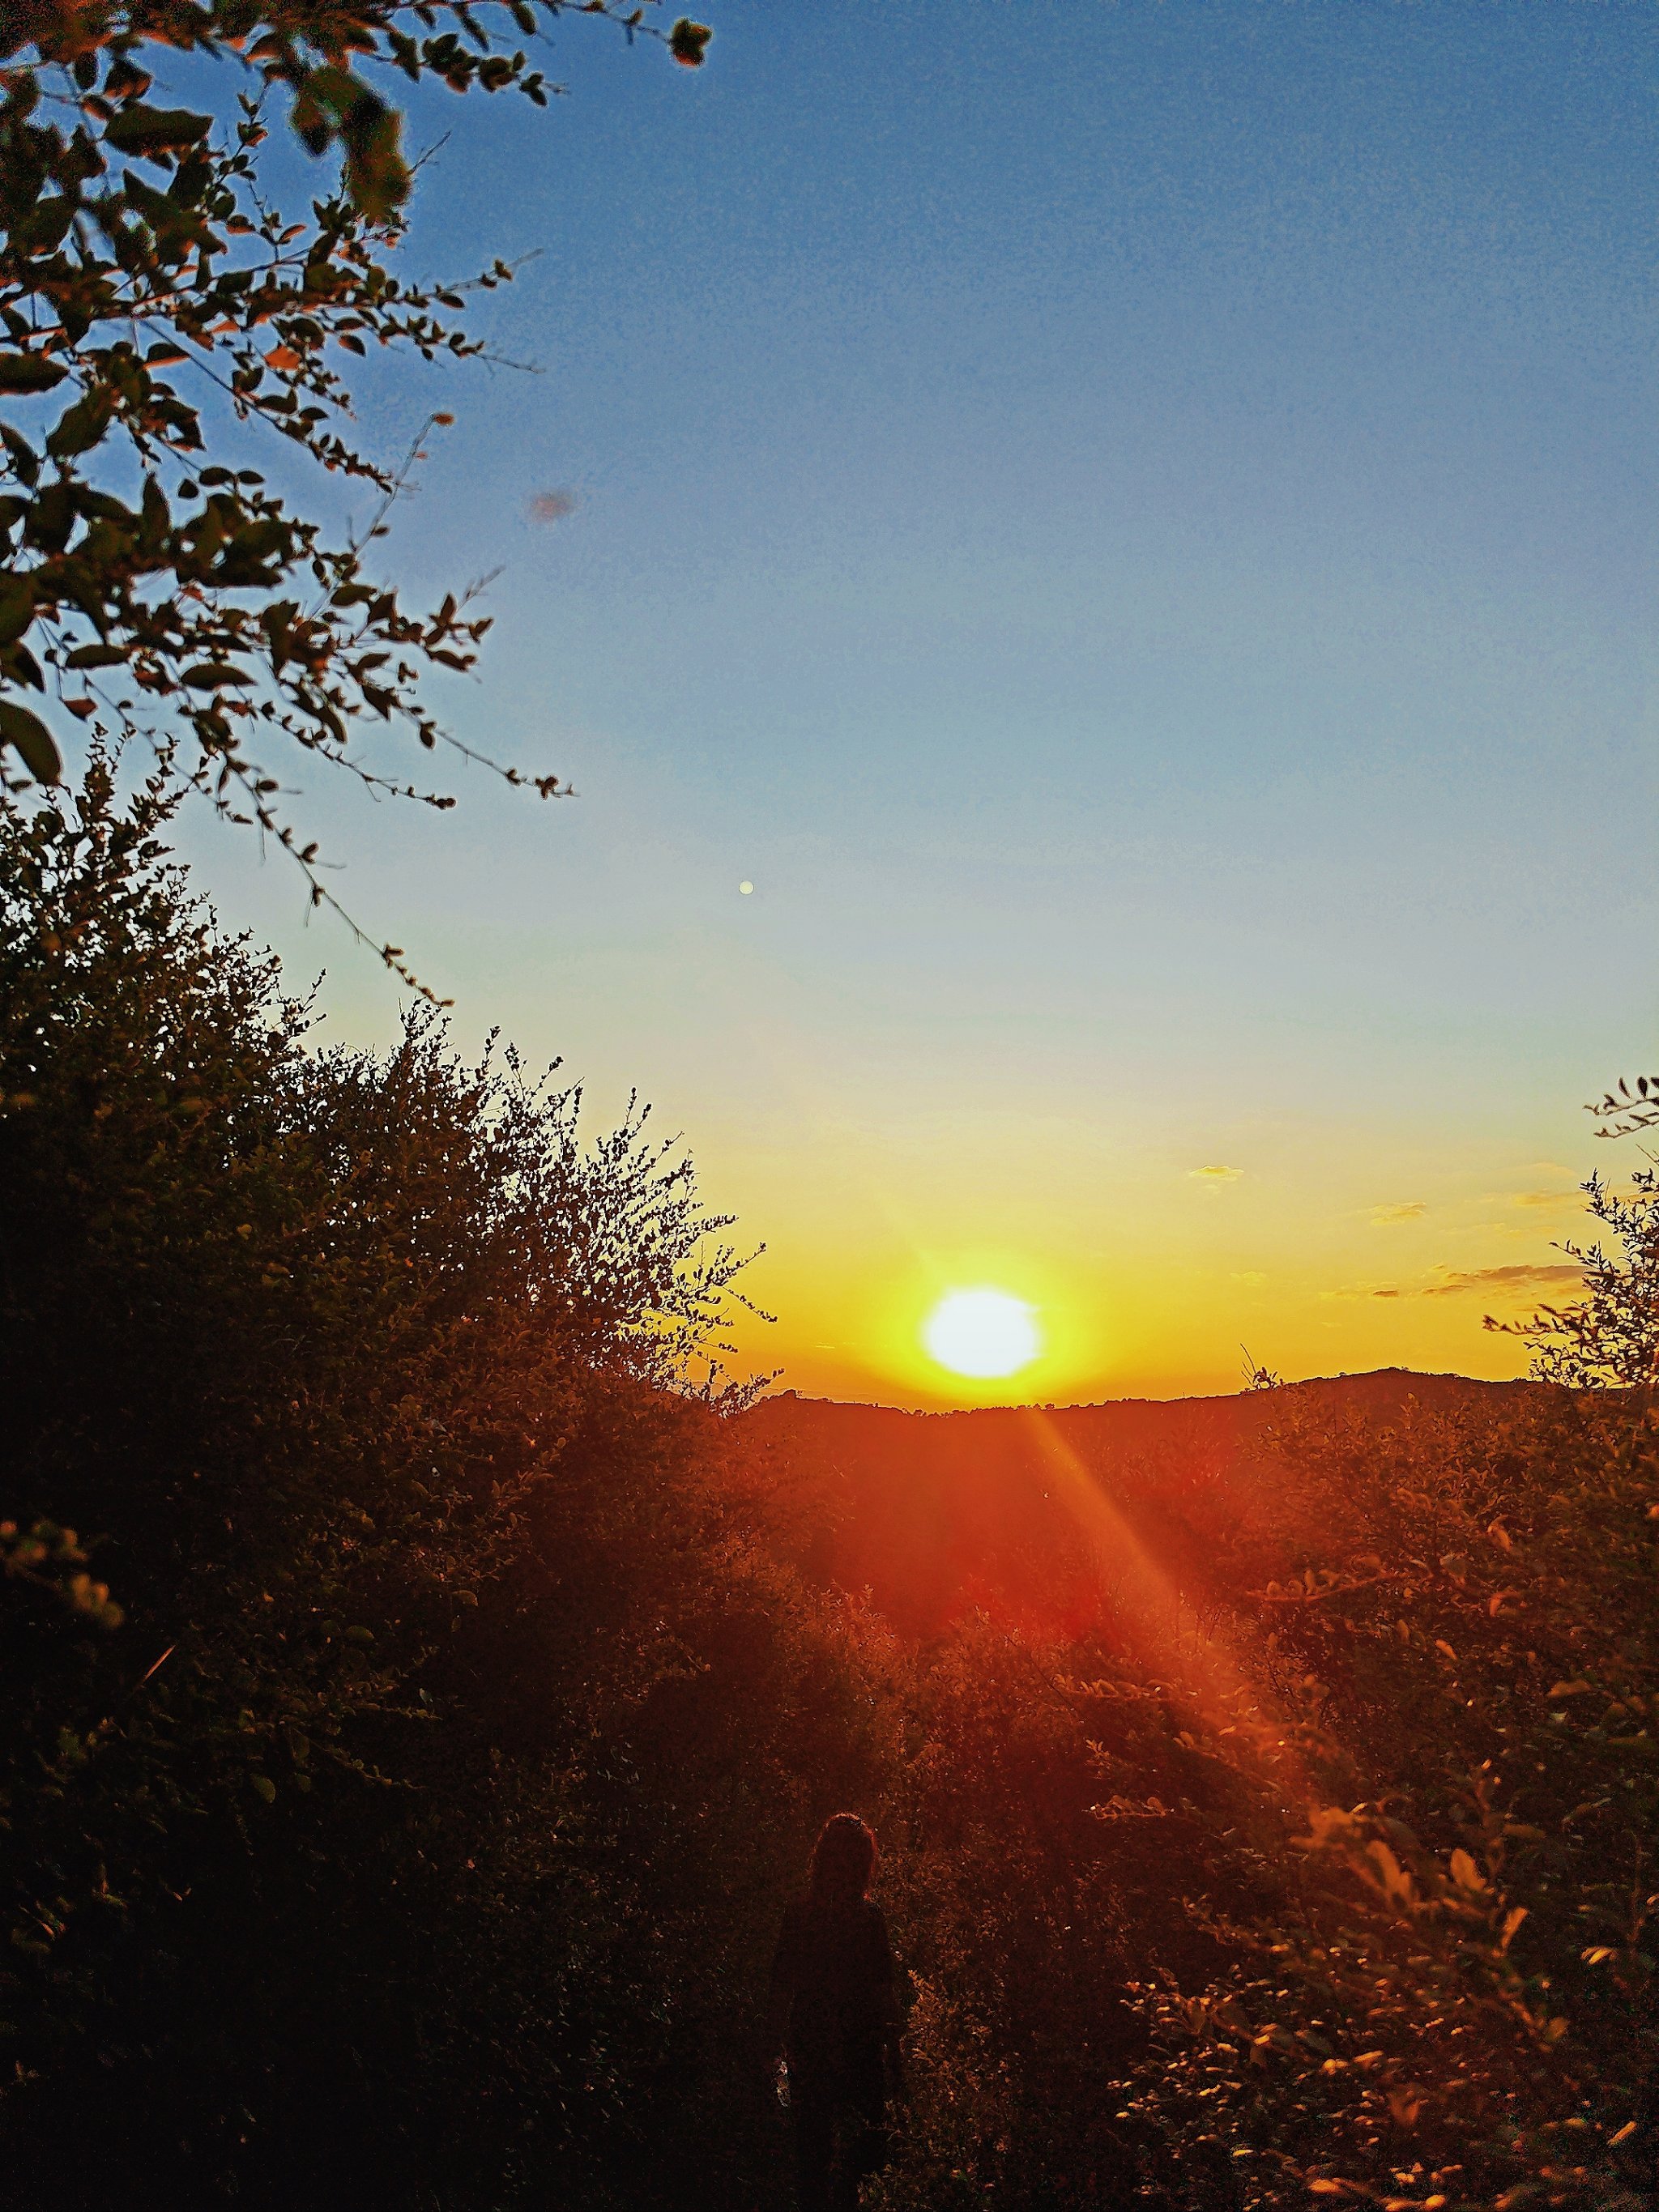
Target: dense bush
{"points": [[415, 1832], [424, 1676], [1369, 1850], [1452, 2001]]}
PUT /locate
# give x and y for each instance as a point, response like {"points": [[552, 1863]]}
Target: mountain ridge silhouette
{"points": [[1014, 1511]]}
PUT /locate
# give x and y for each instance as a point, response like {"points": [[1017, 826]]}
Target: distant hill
{"points": [[1019, 1510]]}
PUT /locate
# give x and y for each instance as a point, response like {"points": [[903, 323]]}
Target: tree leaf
{"points": [[687, 42], [29, 372], [80, 426], [29, 735], [146, 131], [1465, 1872], [376, 174], [16, 607]]}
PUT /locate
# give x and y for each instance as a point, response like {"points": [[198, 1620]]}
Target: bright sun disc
{"points": [[982, 1333]]}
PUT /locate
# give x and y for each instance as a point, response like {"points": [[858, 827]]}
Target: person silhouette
{"points": [[835, 2019]]}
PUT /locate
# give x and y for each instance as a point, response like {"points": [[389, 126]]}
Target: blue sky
{"points": [[1132, 528]]}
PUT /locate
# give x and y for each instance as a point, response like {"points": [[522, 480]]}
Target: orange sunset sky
{"points": [[1131, 533]]}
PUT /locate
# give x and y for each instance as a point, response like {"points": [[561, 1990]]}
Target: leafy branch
{"points": [[152, 587]]}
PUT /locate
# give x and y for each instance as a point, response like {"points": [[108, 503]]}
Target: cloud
{"points": [[1251, 1278], [1410, 1209], [1216, 1175], [1550, 1197], [1521, 1277], [1453, 1282], [553, 506]]}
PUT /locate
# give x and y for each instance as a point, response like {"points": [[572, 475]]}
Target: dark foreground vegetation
{"points": [[406, 1762]]}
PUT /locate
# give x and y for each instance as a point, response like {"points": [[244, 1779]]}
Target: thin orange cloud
{"points": [[1410, 1209], [1518, 1278], [1453, 1282], [1216, 1175]]}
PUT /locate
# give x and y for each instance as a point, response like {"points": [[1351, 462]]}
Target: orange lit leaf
{"points": [[687, 42]]}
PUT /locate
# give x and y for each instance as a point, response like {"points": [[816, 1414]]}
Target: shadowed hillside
{"points": [[938, 1515]]}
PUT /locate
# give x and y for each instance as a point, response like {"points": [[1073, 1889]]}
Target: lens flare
{"points": [[982, 1333]]}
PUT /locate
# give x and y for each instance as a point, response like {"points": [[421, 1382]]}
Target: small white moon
{"points": [[745, 889]]}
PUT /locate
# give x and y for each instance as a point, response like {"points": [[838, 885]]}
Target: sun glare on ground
{"points": [[982, 1333]]}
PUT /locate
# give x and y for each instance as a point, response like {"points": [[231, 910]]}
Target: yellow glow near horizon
{"points": [[982, 1333], [1142, 1279]]}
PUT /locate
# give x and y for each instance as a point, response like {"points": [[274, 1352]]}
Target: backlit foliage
{"points": [[423, 1681], [380, 1399], [1449, 2003], [160, 317], [1609, 1338]]}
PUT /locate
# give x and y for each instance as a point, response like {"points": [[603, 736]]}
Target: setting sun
{"points": [[983, 1333]]}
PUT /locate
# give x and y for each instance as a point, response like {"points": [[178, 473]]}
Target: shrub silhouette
{"points": [[381, 1847], [424, 1678]]}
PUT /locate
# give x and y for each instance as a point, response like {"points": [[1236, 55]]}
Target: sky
{"points": [[1131, 528]]}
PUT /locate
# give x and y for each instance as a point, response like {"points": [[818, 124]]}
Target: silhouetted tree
{"points": [[404, 1815], [153, 584], [1610, 1339]]}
